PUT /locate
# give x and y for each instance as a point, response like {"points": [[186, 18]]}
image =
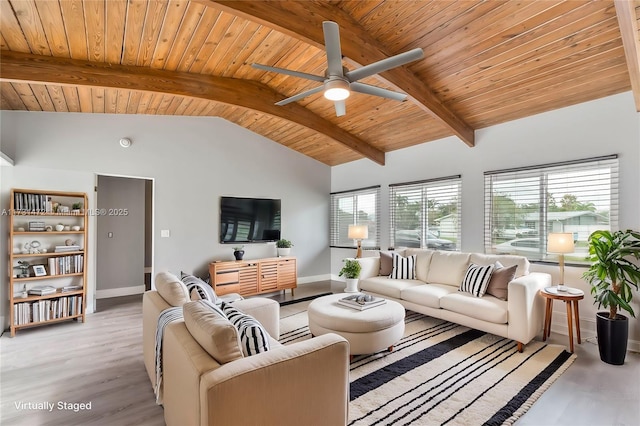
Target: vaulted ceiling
{"points": [[485, 63]]}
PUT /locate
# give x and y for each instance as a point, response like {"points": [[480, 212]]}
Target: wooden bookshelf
{"points": [[33, 241]]}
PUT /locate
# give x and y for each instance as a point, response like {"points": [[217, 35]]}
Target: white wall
{"points": [[194, 160], [602, 127]]}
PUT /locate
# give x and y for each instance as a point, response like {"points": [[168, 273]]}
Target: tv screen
{"points": [[249, 220]]}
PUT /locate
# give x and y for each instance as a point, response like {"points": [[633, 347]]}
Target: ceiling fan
{"points": [[338, 81]]}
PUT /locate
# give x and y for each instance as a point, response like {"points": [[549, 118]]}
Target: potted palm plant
{"points": [[351, 271], [613, 275], [284, 247]]}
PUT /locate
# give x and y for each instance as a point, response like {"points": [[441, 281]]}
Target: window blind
{"points": [[355, 207], [522, 206], [426, 213]]}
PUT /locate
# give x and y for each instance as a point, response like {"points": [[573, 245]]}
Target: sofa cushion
{"points": [[447, 267], [253, 337], [387, 287], [505, 259], [404, 268], [172, 290], [423, 259], [476, 279], [386, 263], [500, 279], [427, 294], [212, 330], [487, 308], [199, 289]]}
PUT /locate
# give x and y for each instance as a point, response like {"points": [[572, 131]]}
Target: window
{"points": [[426, 214], [523, 205], [355, 207]]}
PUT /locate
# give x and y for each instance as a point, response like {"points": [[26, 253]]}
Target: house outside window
{"points": [[355, 207], [426, 214], [522, 206]]}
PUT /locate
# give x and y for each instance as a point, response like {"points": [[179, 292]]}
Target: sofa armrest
{"points": [[266, 311], [526, 307], [152, 306], [370, 267], [305, 383]]}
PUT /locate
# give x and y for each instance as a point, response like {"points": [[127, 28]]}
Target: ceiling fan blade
{"points": [[341, 108], [289, 72], [332, 46], [300, 96], [385, 64], [377, 91]]}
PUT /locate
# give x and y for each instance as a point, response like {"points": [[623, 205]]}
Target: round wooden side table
{"points": [[570, 297]]}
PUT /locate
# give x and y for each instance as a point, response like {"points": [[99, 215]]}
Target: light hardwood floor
{"points": [[101, 362]]}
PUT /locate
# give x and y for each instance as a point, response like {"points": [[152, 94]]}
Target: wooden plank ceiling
{"points": [[485, 62]]}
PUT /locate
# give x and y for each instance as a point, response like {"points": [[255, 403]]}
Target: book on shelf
{"points": [[65, 249], [42, 290], [68, 288], [356, 302]]}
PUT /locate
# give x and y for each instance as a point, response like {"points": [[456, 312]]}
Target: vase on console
{"points": [[238, 252]]}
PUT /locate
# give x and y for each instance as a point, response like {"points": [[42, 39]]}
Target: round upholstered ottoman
{"points": [[368, 331]]}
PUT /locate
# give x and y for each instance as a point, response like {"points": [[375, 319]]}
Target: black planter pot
{"points": [[613, 335], [238, 254]]}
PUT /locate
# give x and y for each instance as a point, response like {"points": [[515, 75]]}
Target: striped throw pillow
{"points": [[254, 338], [476, 279], [403, 267], [199, 289]]}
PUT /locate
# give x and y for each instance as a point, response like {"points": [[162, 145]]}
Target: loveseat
{"points": [[201, 386], [511, 307]]}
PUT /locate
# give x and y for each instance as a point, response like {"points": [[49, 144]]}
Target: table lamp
{"points": [[560, 243], [359, 233]]}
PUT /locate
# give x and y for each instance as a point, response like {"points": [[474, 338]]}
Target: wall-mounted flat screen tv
{"points": [[249, 220]]}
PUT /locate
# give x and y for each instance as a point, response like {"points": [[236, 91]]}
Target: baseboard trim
{"points": [[314, 278], [118, 292], [587, 330]]}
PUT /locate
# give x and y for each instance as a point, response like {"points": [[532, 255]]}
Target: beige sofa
{"points": [[435, 292], [282, 386]]}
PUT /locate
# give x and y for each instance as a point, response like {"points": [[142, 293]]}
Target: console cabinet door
{"points": [[248, 279], [268, 276], [287, 276]]}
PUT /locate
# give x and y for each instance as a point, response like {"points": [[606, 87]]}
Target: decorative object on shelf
{"points": [[24, 269], [76, 207], [75, 228], [613, 274], [34, 247], [59, 227], [351, 271], [238, 252], [284, 247], [39, 270], [560, 243], [358, 233], [69, 242], [24, 292], [49, 228], [20, 229]]}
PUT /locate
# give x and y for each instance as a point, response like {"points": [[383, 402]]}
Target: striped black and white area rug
{"points": [[442, 373]]}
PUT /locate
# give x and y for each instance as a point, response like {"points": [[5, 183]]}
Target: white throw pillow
{"points": [[403, 267], [476, 279]]}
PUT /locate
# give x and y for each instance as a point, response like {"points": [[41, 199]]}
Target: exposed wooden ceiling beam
{"points": [[24, 67], [628, 22], [303, 20]]}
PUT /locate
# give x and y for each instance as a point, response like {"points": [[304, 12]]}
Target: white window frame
{"points": [[338, 230], [550, 183], [449, 187]]}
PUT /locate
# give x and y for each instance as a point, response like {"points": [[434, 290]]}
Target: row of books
{"points": [[66, 249], [36, 203], [44, 310], [66, 264], [360, 303]]}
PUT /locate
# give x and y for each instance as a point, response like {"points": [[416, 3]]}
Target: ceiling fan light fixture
{"points": [[336, 90]]}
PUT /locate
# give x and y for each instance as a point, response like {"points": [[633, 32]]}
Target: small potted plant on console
{"points": [[351, 271], [284, 247]]}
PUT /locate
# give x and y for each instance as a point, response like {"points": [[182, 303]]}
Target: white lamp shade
{"points": [[358, 232], [560, 242]]}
